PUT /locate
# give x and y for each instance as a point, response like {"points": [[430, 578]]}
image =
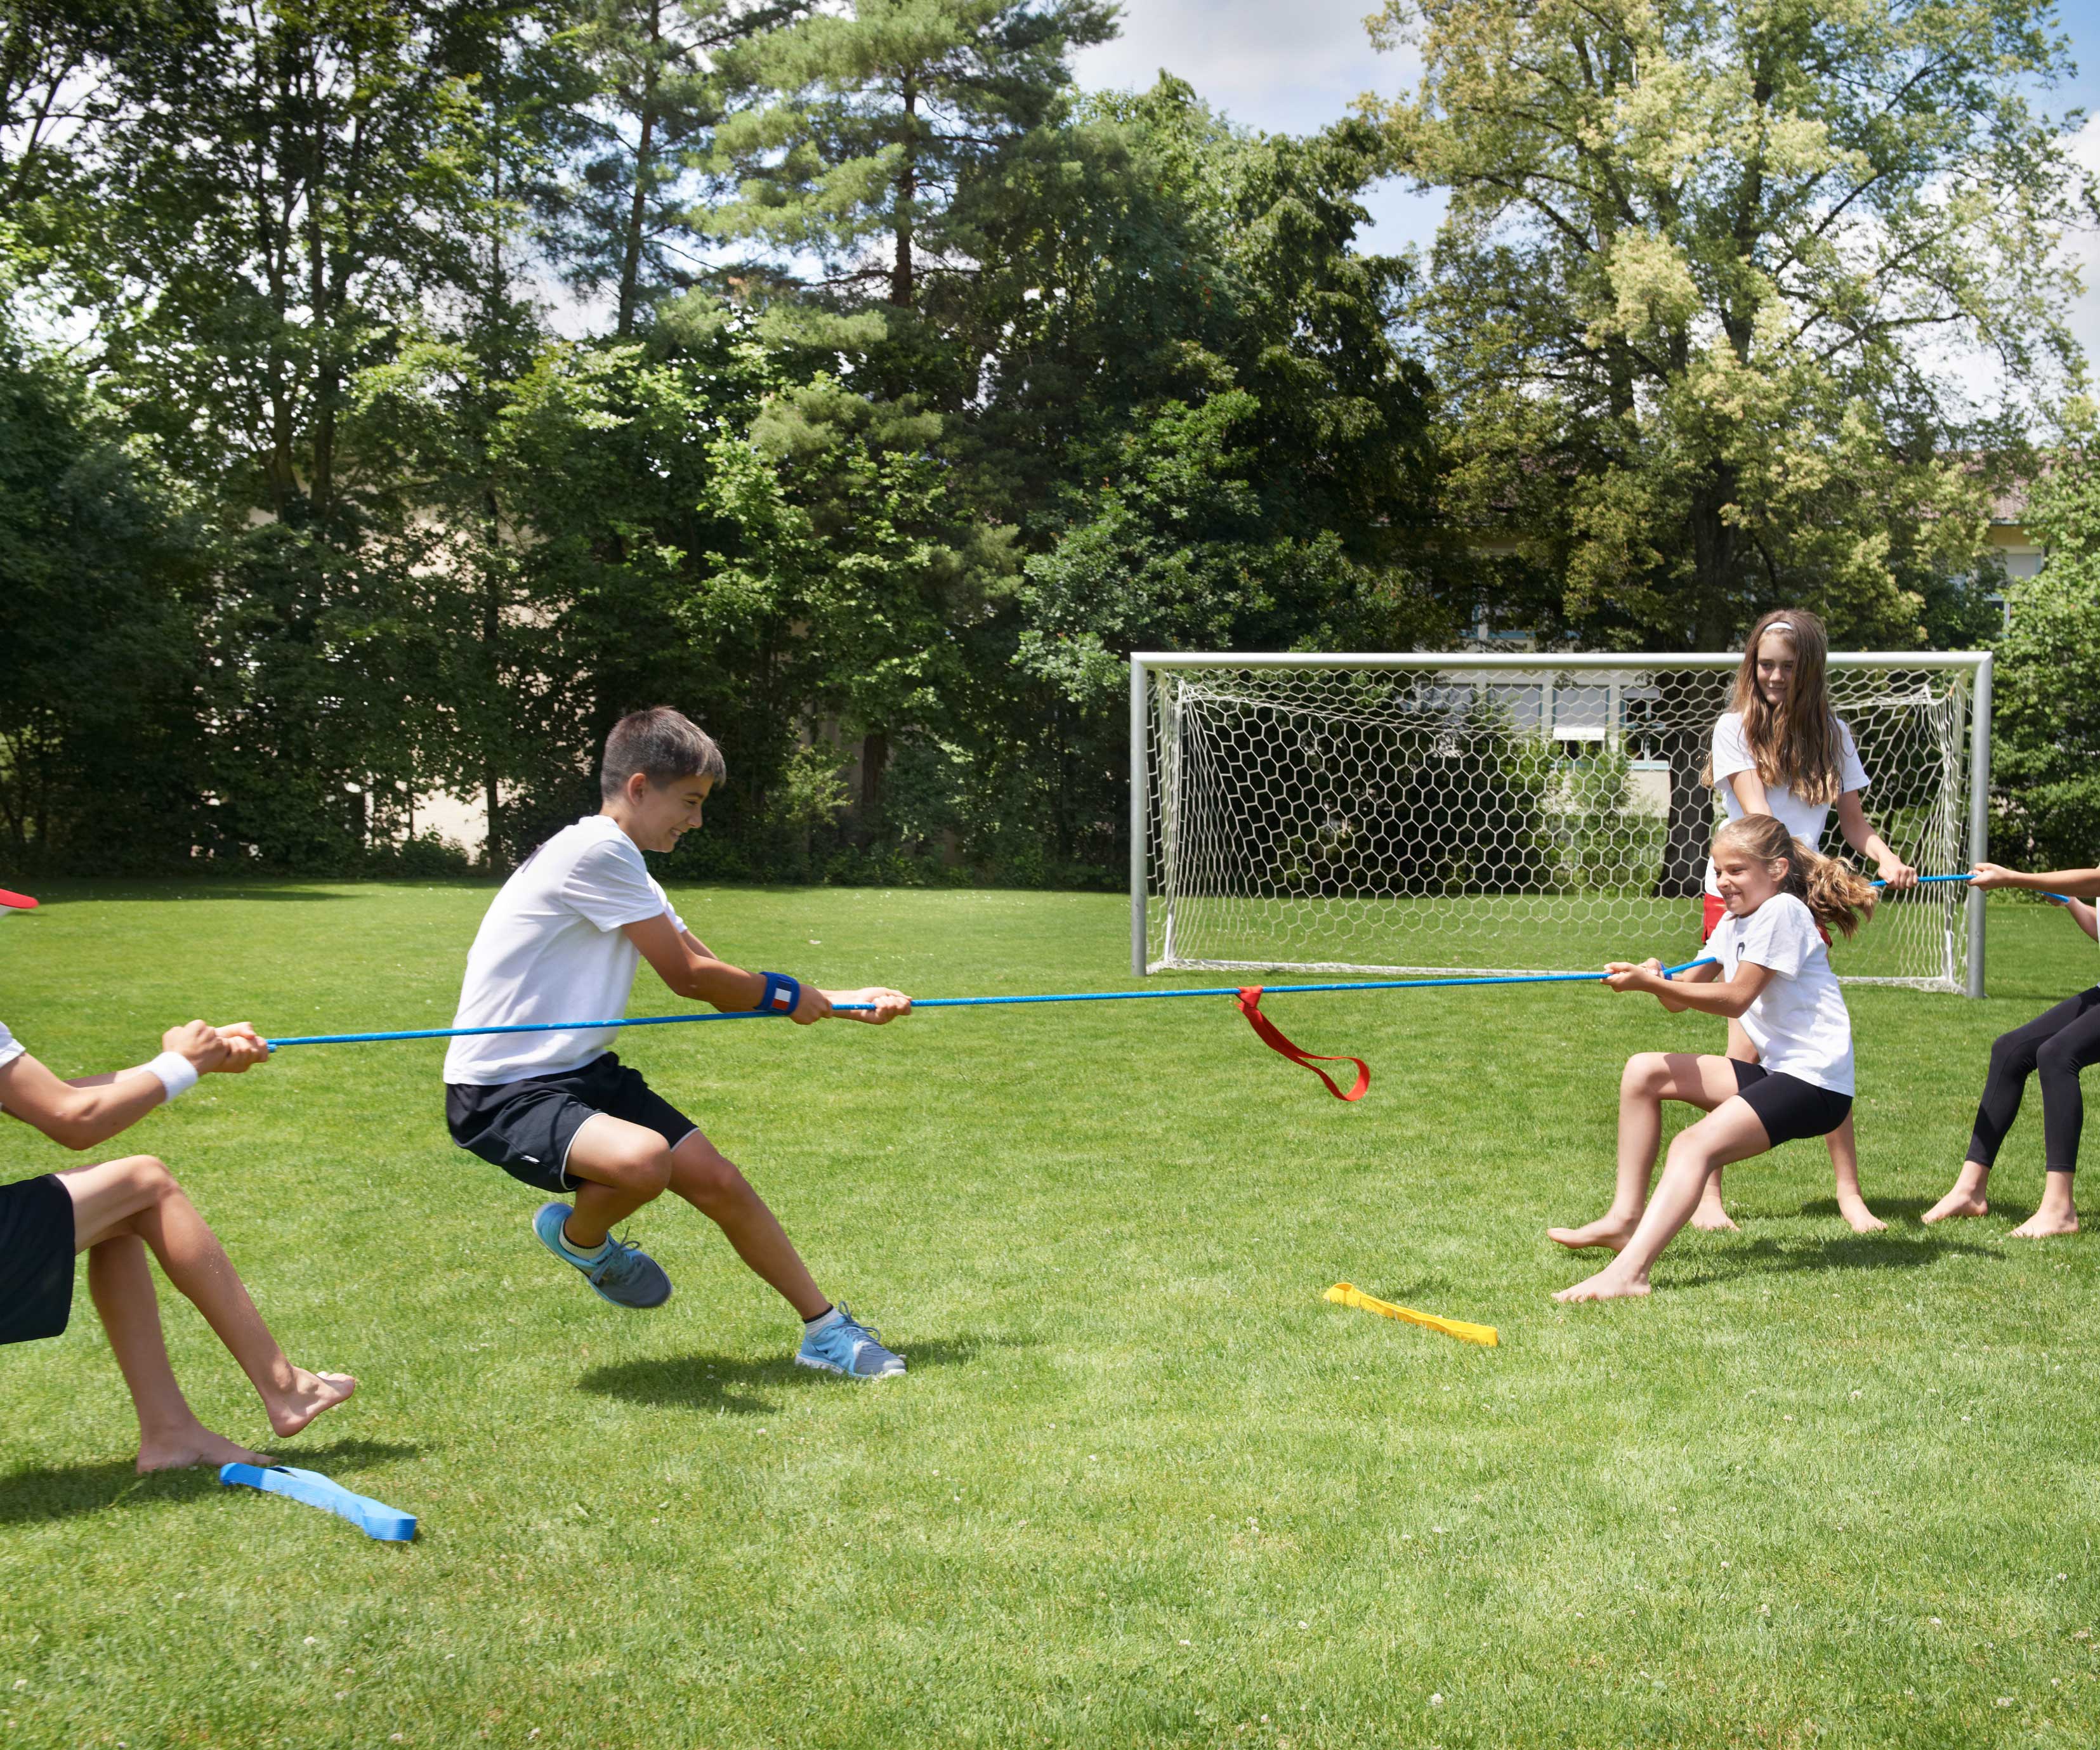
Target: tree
{"points": [[1707, 269], [885, 119], [2045, 719], [628, 219]]}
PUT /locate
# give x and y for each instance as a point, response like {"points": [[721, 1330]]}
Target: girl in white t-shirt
{"points": [[1773, 975], [1780, 750]]}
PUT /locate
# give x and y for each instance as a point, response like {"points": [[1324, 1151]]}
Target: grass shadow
{"points": [[66, 1491], [1855, 1251], [734, 1385], [43, 1493]]}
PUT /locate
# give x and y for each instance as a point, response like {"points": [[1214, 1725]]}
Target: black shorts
{"points": [[1789, 1108], [525, 1127], [36, 1259]]}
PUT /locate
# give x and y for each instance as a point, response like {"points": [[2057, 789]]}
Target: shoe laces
{"points": [[616, 1260]]}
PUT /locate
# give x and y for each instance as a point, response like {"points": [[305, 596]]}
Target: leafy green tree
{"points": [[884, 121], [102, 581], [631, 217], [2045, 721], [1706, 267]]}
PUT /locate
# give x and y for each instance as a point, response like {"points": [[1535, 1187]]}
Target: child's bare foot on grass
{"points": [[1608, 1284], [1711, 1217], [196, 1444], [1606, 1230], [1858, 1218], [1966, 1198], [311, 1394], [2046, 1223]]}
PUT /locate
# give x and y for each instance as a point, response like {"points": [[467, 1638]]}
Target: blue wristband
{"points": [[783, 995]]}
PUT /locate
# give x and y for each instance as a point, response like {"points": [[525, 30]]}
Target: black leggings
{"points": [[2058, 1044]]}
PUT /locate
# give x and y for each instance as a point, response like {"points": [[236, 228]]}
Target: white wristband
{"points": [[177, 1074]]}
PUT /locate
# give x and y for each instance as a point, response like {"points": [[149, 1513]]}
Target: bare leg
{"points": [[1967, 1197], [705, 1179], [619, 1167], [169, 1434], [2058, 1215], [1650, 1078], [136, 1198], [1844, 1164], [1732, 1132], [626, 1165], [1712, 1214]]}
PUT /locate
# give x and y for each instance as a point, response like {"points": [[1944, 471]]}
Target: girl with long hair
{"points": [[1779, 900], [1780, 750]]}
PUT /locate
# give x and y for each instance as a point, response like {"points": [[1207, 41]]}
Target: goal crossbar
{"points": [[1507, 812]]}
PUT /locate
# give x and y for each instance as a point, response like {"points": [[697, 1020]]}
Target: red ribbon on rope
{"points": [[1265, 1030]]}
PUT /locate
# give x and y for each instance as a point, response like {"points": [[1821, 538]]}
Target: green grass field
{"points": [[1142, 1486]]}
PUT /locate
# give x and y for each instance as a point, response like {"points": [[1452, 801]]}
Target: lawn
{"points": [[1142, 1486]]}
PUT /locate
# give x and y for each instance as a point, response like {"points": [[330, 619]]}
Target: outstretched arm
{"points": [[91, 1109], [682, 961], [1695, 990], [2078, 883]]}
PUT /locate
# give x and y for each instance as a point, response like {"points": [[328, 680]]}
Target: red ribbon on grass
{"points": [[1265, 1030]]}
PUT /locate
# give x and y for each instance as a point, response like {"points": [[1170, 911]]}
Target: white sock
{"points": [[824, 1321], [578, 1253]]}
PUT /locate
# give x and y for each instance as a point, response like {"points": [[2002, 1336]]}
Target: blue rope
{"points": [[969, 1002], [964, 1002]]}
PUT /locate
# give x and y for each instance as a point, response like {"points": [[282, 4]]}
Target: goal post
{"points": [[1455, 812]]}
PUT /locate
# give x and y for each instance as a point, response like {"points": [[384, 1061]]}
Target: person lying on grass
{"points": [[558, 1111], [2057, 1044], [113, 1212], [1774, 976]]}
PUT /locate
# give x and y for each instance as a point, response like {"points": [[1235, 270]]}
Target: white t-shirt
{"points": [[1799, 1023], [1804, 820], [11, 1047], [550, 948]]}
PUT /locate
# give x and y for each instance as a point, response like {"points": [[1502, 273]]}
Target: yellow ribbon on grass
{"points": [[1348, 1295]]}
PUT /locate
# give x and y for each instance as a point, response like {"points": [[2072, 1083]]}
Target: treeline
{"points": [[394, 392]]}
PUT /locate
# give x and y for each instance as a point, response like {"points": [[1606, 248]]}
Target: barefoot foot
{"points": [[1608, 1284], [1859, 1218], [311, 1394], [1957, 1202], [2046, 1223], [1710, 1218], [194, 1445], [1609, 1230]]}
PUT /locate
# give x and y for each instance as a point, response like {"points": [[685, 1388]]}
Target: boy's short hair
{"points": [[663, 744]]}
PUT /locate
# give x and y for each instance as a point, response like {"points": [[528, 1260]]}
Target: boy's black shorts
{"points": [[525, 1127], [36, 1259], [1790, 1109]]}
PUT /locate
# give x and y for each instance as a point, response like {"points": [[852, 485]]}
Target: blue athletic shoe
{"points": [[848, 1347], [625, 1274]]}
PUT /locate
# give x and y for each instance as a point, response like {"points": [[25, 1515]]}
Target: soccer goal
{"points": [[1448, 812]]}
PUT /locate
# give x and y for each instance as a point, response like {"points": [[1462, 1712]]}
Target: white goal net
{"points": [[1502, 813]]}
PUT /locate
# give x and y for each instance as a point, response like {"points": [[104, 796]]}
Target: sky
{"points": [[1291, 66]]}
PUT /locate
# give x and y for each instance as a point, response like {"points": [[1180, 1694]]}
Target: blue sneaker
{"points": [[848, 1347], [623, 1274]]}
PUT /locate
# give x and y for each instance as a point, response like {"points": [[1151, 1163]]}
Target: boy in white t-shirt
{"points": [[1773, 976], [559, 1110]]}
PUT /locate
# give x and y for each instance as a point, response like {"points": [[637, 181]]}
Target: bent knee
{"points": [[705, 1171], [2059, 1057], [1646, 1073], [147, 1176]]}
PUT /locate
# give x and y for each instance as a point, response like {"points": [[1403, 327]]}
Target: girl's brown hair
{"points": [[1837, 895], [1797, 745]]}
